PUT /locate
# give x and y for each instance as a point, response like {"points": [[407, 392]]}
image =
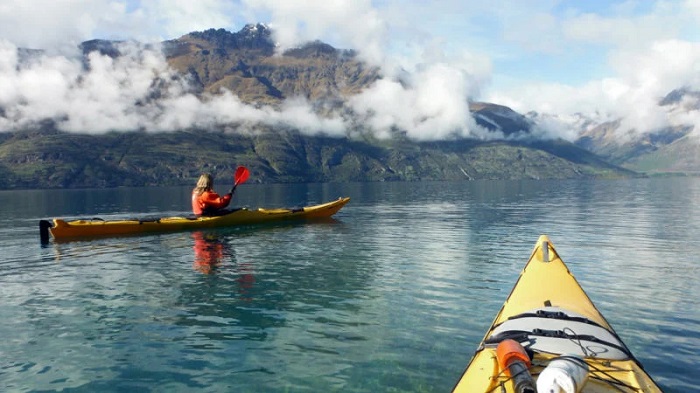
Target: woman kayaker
{"points": [[206, 202]]}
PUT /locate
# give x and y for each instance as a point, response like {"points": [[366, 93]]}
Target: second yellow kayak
{"points": [[61, 229]]}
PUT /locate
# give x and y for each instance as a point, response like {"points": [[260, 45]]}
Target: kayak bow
{"points": [[572, 348], [85, 228]]}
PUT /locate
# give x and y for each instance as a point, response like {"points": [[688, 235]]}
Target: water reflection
{"points": [[209, 252]]}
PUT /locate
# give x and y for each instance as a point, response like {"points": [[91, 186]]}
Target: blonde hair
{"points": [[205, 183]]}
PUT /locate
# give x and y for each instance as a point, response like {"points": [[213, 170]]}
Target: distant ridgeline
{"points": [[48, 158]]}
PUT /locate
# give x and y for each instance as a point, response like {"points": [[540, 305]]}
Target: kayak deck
{"points": [[550, 315], [85, 228]]}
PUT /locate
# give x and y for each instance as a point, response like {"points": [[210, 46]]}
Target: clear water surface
{"points": [[392, 296]]}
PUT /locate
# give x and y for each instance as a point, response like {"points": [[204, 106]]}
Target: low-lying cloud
{"points": [[135, 91], [432, 104], [139, 91]]}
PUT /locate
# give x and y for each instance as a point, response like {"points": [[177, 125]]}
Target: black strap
{"points": [[524, 335], [560, 315]]}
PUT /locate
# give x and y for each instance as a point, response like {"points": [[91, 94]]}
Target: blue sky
{"points": [[553, 56]]}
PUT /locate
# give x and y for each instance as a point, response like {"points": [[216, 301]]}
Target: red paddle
{"points": [[242, 174]]}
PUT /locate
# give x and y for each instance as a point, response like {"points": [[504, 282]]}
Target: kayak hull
{"points": [[550, 315], [60, 229]]}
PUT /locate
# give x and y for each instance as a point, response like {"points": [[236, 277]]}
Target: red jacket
{"points": [[208, 202]]}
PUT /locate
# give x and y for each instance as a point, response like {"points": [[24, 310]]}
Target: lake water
{"points": [[392, 296]]}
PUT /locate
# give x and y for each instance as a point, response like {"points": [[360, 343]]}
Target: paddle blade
{"points": [[241, 175]]}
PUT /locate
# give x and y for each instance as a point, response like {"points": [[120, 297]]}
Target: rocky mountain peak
{"points": [[685, 96], [104, 47], [252, 36], [254, 30], [498, 117], [313, 49]]}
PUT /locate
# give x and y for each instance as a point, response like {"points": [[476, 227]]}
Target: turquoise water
{"points": [[392, 295]]}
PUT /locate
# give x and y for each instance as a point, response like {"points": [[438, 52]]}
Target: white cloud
{"points": [[60, 25], [351, 24], [430, 105], [179, 17], [604, 63], [661, 68], [621, 32], [120, 94], [645, 58]]}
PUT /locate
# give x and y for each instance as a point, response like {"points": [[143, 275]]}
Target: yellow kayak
{"points": [[61, 229], [549, 337]]}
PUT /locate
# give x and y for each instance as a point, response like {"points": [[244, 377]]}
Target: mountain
{"points": [[669, 150], [47, 158], [500, 118], [246, 63], [680, 157]]}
